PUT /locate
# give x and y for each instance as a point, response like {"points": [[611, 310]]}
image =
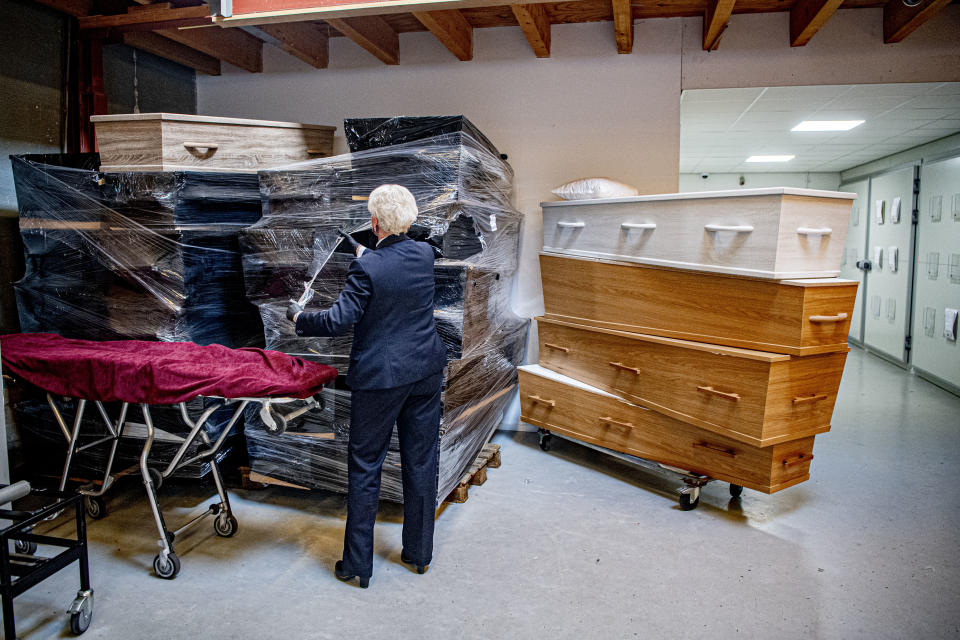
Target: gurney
{"points": [[133, 372]]}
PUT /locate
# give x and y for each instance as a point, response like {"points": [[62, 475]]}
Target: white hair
{"points": [[393, 206]]}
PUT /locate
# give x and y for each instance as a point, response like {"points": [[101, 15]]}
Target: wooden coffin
{"points": [[764, 233], [173, 141], [560, 404], [798, 317], [755, 397]]}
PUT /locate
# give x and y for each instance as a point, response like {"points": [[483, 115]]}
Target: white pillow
{"points": [[590, 188]]}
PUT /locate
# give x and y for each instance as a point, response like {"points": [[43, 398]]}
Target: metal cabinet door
{"points": [[937, 286], [855, 249], [888, 284]]}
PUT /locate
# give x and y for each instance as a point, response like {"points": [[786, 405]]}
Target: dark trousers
{"points": [[415, 408]]}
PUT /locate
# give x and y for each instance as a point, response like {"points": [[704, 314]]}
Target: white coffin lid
{"points": [[537, 370], [186, 117], [698, 195]]}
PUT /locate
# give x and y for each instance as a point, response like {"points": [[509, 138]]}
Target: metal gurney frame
{"points": [[166, 564]]}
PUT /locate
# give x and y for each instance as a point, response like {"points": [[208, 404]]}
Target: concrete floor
{"points": [[575, 544]]}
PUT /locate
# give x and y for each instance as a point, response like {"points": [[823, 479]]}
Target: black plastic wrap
{"points": [[462, 188]]}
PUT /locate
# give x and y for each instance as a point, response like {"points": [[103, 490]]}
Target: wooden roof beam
{"points": [[451, 29], [371, 33], [623, 25], [174, 51], [807, 16], [149, 18], [76, 8], [715, 22], [535, 23], [899, 20], [235, 46], [304, 40]]}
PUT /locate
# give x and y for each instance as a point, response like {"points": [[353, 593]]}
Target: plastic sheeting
{"points": [[148, 256], [462, 188]]}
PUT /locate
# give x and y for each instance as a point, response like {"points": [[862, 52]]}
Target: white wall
{"points": [[717, 181]]}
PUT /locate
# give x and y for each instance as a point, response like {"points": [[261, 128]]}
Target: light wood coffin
{"points": [[764, 233], [798, 317], [179, 142], [563, 405], [751, 396]]}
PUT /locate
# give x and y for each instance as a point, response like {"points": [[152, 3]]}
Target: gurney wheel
{"points": [[166, 568], [80, 621], [26, 547], [96, 507], [686, 504], [735, 490], [225, 525]]}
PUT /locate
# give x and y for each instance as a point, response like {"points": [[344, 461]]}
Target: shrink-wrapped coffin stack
{"points": [[462, 188], [146, 256]]}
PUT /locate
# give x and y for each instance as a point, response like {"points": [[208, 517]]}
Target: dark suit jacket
{"points": [[388, 301]]}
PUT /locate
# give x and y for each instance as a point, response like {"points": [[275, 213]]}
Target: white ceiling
{"points": [[720, 128]]}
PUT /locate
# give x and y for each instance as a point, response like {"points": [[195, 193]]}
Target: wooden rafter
{"points": [[150, 18], [174, 51], [235, 46], [451, 29], [899, 20], [76, 8], [535, 23], [806, 18], [373, 34], [623, 25], [304, 40], [715, 22]]}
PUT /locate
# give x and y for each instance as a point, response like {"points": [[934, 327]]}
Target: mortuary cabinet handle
{"points": [[620, 365], [717, 448], [736, 228], [840, 317], [572, 225], [643, 226], [723, 394], [211, 146], [551, 403], [813, 231], [610, 420], [813, 398], [801, 457]]}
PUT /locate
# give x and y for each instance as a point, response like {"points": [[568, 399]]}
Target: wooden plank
{"points": [[173, 51], [715, 22], [235, 46], [149, 18], [371, 33], [899, 20], [259, 477], [806, 18], [623, 25], [304, 40], [451, 29], [535, 22]]}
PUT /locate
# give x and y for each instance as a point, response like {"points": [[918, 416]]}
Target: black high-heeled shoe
{"points": [[344, 576], [421, 568]]}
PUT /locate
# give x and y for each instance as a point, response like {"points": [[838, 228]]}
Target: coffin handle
{"points": [[840, 317], [736, 228], [723, 394], [641, 226], [620, 365], [717, 448], [814, 398], [800, 457], [209, 146], [551, 403], [571, 225], [557, 347], [814, 231], [610, 420]]}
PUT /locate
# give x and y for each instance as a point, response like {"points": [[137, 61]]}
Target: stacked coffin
{"points": [[462, 188], [704, 331], [146, 248]]}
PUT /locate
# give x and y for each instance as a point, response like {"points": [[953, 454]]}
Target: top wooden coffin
{"points": [[763, 233], [177, 142]]}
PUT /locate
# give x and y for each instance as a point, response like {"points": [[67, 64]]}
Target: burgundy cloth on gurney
{"points": [[157, 372]]}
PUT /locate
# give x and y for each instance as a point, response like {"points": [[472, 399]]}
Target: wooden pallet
{"points": [[489, 456]]}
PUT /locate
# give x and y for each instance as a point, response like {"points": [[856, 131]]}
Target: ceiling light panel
{"points": [[827, 125], [778, 158]]}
